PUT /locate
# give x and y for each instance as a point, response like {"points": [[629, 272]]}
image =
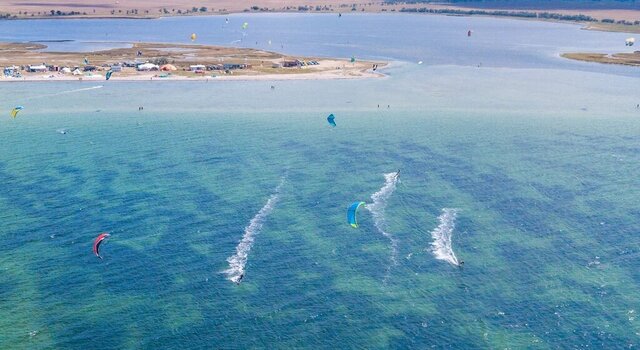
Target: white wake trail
{"points": [[377, 208], [441, 245], [65, 92], [237, 262], [78, 90]]}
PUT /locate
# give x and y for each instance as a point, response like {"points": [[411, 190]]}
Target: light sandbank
{"points": [[247, 64]]}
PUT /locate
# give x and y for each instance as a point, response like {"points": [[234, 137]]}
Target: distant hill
{"points": [[533, 4]]}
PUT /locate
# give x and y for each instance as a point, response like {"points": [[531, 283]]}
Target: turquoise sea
{"points": [[526, 164]]}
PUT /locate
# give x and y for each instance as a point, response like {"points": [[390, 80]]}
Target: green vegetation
{"points": [[62, 13], [523, 14], [532, 4]]}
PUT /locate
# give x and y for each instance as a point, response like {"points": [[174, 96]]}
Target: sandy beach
{"points": [[145, 76], [176, 62]]}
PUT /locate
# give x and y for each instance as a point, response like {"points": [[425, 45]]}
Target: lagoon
{"points": [[536, 154]]}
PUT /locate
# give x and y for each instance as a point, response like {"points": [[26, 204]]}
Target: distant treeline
{"points": [[523, 14]]}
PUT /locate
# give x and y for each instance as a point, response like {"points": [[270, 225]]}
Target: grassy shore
{"points": [[629, 59], [259, 63]]}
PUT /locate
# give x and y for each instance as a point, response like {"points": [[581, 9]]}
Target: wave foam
{"points": [[441, 245], [377, 208], [237, 262]]}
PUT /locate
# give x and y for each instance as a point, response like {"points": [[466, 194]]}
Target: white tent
{"points": [[77, 72], [147, 66], [65, 70], [38, 68]]}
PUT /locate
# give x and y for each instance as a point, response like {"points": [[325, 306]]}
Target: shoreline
{"points": [[328, 75]]}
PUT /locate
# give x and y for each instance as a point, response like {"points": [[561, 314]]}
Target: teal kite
{"points": [[351, 213], [332, 120], [108, 76]]}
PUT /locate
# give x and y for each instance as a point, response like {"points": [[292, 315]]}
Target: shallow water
{"points": [[541, 170]]}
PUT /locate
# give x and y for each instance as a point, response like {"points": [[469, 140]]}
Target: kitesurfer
{"points": [[240, 278], [461, 264]]}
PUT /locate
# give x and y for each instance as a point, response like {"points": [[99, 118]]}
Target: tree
{"points": [[160, 61]]}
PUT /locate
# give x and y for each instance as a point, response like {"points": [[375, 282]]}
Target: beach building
{"points": [[11, 71], [38, 68], [197, 68], [132, 64], [231, 66], [295, 63]]}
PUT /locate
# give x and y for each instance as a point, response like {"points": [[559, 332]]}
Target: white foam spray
{"points": [[237, 262], [441, 245], [377, 208]]}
